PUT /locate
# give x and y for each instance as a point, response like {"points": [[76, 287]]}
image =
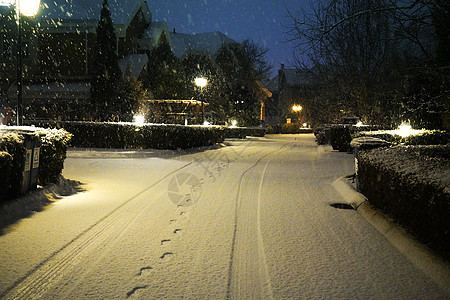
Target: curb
{"points": [[418, 254]]}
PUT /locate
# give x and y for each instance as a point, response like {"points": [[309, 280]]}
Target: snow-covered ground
{"points": [[249, 220]]}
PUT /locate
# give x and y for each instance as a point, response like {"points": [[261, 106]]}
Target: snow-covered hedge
{"points": [[5, 174], [147, 136], [242, 132], [412, 184], [294, 128], [54, 143], [13, 144], [53, 149], [426, 137]]}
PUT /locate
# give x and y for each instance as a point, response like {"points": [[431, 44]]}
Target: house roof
{"points": [[136, 63], [64, 13], [154, 32], [295, 77], [272, 84], [121, 10], [208, 41]]}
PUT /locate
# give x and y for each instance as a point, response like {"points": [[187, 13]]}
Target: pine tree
{"points": [[106, 73], [166, 78]]}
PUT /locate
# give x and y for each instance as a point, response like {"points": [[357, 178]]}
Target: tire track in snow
{"points": [[248, 271], [40, 279]]}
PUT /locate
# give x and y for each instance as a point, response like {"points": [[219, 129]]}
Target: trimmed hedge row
{"points": [[52, 155], [340, 136], [13, 144], [411, 183], [428, 137], [148, 136], [242, 132], [6, 161], [294, 128], [53, 149]]}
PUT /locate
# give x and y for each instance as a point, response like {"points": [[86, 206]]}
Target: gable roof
{"points": [[295, 77], [136, 63], [65, 13], [153, 33], [208, 41]]}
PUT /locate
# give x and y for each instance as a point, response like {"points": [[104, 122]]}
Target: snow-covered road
{"points": [[249, 220]]}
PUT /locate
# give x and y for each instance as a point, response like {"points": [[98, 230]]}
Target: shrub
{"points": [[129, 135], [411, 184], [13, 144], [242, 132], [52, 154], [427, 137], [6, 161], [53, 151], [340, 137]]}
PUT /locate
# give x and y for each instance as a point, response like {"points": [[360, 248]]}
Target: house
{"points": [[59, 45], [290, 87], [207, 42]]}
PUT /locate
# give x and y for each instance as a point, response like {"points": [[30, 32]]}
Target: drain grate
{"points": [[342, 206]]}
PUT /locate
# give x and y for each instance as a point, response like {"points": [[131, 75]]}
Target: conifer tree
{"points": [[106, 73], [166, 78]]}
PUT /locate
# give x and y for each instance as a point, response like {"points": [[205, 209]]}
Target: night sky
{"points": [[260, 20]]}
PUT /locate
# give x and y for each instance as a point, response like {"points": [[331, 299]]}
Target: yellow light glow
{"points": [[201, 82], [139, 120], [233, 123], [359, 124], [405, 130], [305, 125], [28, 8], [297, 108]]}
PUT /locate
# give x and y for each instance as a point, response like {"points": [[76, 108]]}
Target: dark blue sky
{"points": [[260, 20]]}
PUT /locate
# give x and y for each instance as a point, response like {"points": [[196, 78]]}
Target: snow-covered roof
{"points": [[153, 33], [64, 12], [208, 41], [121, 10], [69, 90], [136, 62], [295, 77], [272, 85]]}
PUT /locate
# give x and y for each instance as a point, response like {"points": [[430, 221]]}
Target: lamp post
{"points": [[27, 8], [201, 82]]}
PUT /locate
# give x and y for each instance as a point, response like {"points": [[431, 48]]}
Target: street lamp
{"points": [[297, 109], [201, 82], [27, 8]]}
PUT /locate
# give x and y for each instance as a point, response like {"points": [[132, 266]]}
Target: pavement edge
{"points": [[421, 256]]}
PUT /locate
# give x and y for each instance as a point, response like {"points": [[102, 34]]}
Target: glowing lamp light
{"points": [[233, 123], [206, 123], [28, 8], [405, 130], [305, 125], [297, 108], [139, 120], [201, 82], [359, 124]]}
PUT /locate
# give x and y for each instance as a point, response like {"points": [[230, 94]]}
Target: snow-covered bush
{"points": [[52, 154], [294, 128], [242, 132], [340, 137], [54, 143], [147, 136], [5, 174], [426, 137], [412, 184], [13, 144]]}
